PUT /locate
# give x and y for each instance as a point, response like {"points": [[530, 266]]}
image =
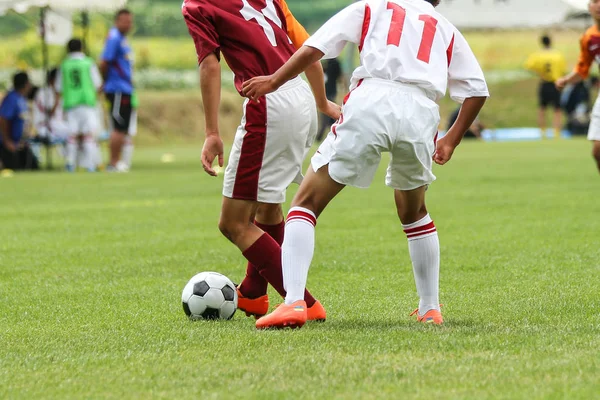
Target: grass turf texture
{"points": [[93, 266]]}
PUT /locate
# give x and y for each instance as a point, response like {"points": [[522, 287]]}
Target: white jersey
{"points": [[405, 41]]}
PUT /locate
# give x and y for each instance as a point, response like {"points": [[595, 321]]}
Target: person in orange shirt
{"points": [[590, 52]]}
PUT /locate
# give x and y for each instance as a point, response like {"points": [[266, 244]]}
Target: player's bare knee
{"points": [[409, 215], [232, 230]]}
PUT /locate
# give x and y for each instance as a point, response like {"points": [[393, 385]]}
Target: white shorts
{"points": [[271, 143], [382, 116], [594, 129], [83, 120]]}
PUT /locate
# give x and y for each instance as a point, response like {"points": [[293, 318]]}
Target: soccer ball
{"points": [[209, 295]]}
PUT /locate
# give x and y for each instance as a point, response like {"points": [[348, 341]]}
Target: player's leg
{"points": [[410, 173], [266, 157], [90, 126], [542, 121], [349, 156], [121, 117], [269, 218], [71, 152], [596, 152], [423, 245], [543, 105], [128, 148], [315, 193], [557, 122]]}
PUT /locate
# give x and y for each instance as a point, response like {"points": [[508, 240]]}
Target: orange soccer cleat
{"points": [[253, 307], [316, 312], [285, 316], [430, 317]]}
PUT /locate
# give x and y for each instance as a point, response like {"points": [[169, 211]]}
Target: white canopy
{"points": [[509, 13], [21, 6], [580, 5]]}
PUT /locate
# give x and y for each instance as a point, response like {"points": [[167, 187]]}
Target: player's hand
{"points": [[213, 148], [331, 109], [257, 87], [444, 150], [561, 83]]}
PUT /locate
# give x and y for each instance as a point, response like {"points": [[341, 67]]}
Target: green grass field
{"points": [[92, 268]]}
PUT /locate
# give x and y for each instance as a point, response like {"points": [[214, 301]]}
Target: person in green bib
{"points": [[78, 83]]}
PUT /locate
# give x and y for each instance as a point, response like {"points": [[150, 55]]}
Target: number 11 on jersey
{"points": [[397, 25]]}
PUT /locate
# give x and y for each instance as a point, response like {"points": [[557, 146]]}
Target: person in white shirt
{"points": [[410, 55], [48, 117]]}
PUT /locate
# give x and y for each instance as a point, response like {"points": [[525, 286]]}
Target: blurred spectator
{"points": [[549, 65], [78, 83], [116, 67], [333, 74], [474, 131], [48, 117], [14, 151]]}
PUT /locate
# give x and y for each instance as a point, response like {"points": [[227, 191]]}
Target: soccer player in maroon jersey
{"points": [[256, 37]]}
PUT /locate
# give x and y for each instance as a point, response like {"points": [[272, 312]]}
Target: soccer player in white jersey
{"points": [[409, 55]]}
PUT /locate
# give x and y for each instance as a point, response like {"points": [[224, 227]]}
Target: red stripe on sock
{"points": [[414, 235], [301, 215], [419, 228]]}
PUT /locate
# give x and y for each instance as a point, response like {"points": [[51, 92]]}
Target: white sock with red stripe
{"points": [[297, 252], [424, 248]]}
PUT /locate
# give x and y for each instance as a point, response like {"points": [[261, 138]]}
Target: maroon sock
{"points": [[254, 285], [265, 254]]}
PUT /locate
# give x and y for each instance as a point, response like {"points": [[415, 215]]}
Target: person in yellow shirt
{"points": [[549, 65]]}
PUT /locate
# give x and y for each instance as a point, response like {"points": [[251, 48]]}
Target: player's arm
{"points": [[257, 87], [582, 69], [109, 55], [328, 42], [207, 44], [467, 85]]}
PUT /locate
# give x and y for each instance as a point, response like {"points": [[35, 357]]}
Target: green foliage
{"points": [[94, 264]]}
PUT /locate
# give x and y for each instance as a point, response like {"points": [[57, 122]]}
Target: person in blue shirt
{"points": [[116, 68], [14, 151]]}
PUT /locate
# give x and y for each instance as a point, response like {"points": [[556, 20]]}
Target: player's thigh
{"points": [[353, 148], [411, 162], [317, 190], [120, 112], [246, 161], [291, 129]]}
